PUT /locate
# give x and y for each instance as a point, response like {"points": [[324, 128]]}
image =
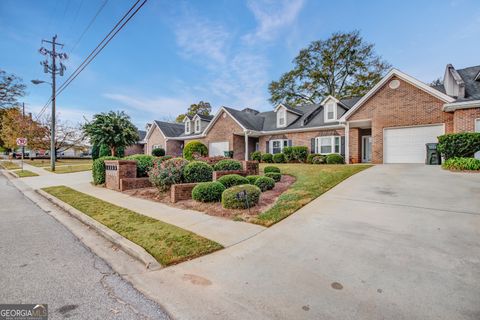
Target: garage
{"points": [[407, 144], [217, 148]]}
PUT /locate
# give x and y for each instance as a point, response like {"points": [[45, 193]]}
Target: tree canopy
{"points": [[203, 108], [11, 88], [113, 129], [16, 125], [343, 66]]}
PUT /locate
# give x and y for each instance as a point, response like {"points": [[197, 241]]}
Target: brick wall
{"points": [[405, 106], [134, 183], [174, 148], [300, 138], [116, 170], [464, 119], [181, 191], [250, 167], [354, 145], [156, 138], [134, 149]]}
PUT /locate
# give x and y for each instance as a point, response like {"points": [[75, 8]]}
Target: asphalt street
{"points": [[42, 262]]}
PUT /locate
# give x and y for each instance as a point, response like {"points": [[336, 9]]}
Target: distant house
{"points": [[137, 148]]}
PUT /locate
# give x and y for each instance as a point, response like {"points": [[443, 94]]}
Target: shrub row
{"points": [[297, 154], [459, 145], [462, 164]]}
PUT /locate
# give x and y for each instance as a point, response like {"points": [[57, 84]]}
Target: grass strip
{"points": [[168, 244], [71, 168], [25, 173], [9, 165], [42, 163]]}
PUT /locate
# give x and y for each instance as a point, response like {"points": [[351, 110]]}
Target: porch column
{"points": [[347, 142], [246, 145]]}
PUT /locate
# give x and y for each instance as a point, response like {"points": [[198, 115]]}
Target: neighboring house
{"points": [[137, 148], [390, 124]]}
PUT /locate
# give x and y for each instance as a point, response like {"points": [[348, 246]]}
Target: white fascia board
{"points": [[337, 126], [461, 105], [152, 127], [330, 97]]}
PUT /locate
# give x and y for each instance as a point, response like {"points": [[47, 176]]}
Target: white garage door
{"points": [[407, 145], [217, 148]]}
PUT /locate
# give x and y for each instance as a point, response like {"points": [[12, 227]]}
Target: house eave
{"points": [[450, 107]]}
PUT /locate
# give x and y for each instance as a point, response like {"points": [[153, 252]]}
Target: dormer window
{"points": [[197, 125], [187, 126], [281, 117], [330, 111]]}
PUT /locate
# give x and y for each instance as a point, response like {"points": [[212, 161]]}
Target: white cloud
{"points": [[272, 16]]}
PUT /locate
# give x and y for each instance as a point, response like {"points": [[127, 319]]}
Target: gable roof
{"points": [[141, 135], [203, 117], [289, 108], [470, 77], [170, 129], [405, 77]]}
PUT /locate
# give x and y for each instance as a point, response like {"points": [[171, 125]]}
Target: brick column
{"points": [[354, 145]]}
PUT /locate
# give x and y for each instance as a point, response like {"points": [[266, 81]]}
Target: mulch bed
{"points": [[267, 199]]}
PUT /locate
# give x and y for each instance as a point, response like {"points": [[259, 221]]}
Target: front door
{"points": [[367, 149]]}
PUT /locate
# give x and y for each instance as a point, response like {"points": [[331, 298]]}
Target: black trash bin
{"points": [[433, 156]]}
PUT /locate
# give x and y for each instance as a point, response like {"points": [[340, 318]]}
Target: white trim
{"points": [[363, 148], [199, 122], [405, 77], [347, 143], [217, 116], [337, 126], [289, 110], [282, 142], [151, 130], [318, 146], [475, 127], [325, 112], [328, 98], [278, 113], [461, 105]]}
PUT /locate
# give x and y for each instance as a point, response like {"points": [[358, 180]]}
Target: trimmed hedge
{"points": [[208, 191], [312, 155], [197, 171], [228, 165], [251, 179], [459, 145], [279, 158], [335, 158], [274, 175], [296, 154], [267, 157], [271, 169], [158, 152], [470, 164], [230, 201], [144, 163], [319, 160], [256, 155], [98, 169], [231, 180], [265, 183], [194, 149]]}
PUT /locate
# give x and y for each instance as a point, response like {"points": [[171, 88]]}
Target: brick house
{"points": [[389, 124], [139, 147]]}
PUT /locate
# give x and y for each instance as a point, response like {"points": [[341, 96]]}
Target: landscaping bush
{"points": [[197, 171], [274, 175], [279, 158], [312, 155], [267, 157], [144, 163], [252, 179], [104, 151], [228, 165], [271, 169], [335, 158], [470, 164], [169, 172], [230, 201], [459, 145], [194, 149], [265, 183], [256, 155], [98, 169], [231, 180], [95, 152], [295, 154], [208, 191], [158, 152], [319, 160]]}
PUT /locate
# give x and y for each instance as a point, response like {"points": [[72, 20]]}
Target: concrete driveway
{"points": [[392, 242]]}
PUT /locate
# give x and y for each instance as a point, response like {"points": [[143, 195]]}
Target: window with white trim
{"points": [[330, 111], [276, 146], [327, 145], [187, 126], [197, 125], [281, 117]]}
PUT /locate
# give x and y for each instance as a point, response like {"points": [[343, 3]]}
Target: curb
{"points": [[126, 245]]}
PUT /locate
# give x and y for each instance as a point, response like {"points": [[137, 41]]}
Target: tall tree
{"points": [[343, 65], [16, 125], [436, 82], [113, 129], [11, 88], [203, 108]]}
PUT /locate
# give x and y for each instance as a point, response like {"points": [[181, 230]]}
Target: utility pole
{"points": [[23, 130], [52, 68]]}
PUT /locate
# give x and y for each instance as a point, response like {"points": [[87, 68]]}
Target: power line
{"points": [[89, 25]]}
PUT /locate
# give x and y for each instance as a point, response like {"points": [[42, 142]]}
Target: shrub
{"points": [[319, 160], [104, 151], [265, 183], [158, 152], [228, 165], [194, 149], [98, 169], [230, 200], [267, 157], [197, 171], [279, 158], [271, 169], [274, 175], [252, 179], [459, 145], [470, 164], [256, 155], [312, 155], [231, 180], [169, 172], [144, 163], [295, 154], [95, 152], [120, 152], [335, 158], [208, 191]]}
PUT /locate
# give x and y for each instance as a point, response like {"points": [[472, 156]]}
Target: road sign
{"points": [[21, 142]]}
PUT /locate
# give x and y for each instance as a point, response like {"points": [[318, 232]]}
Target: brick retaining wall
{"points": [[181, 191], [134, 183]]}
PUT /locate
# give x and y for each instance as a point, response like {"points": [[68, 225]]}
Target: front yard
{"points": [[71, 168], [44, 163]]}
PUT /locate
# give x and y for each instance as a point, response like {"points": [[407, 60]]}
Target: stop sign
{"points": [[21, 142]]}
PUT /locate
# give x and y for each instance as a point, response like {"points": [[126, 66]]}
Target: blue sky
{"points": [[174, 53]]}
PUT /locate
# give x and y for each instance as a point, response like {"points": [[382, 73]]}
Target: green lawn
{"points": [[312, 181], [25, 173], [71, 168], [46, 162], [165, 242], [9, 165]]}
